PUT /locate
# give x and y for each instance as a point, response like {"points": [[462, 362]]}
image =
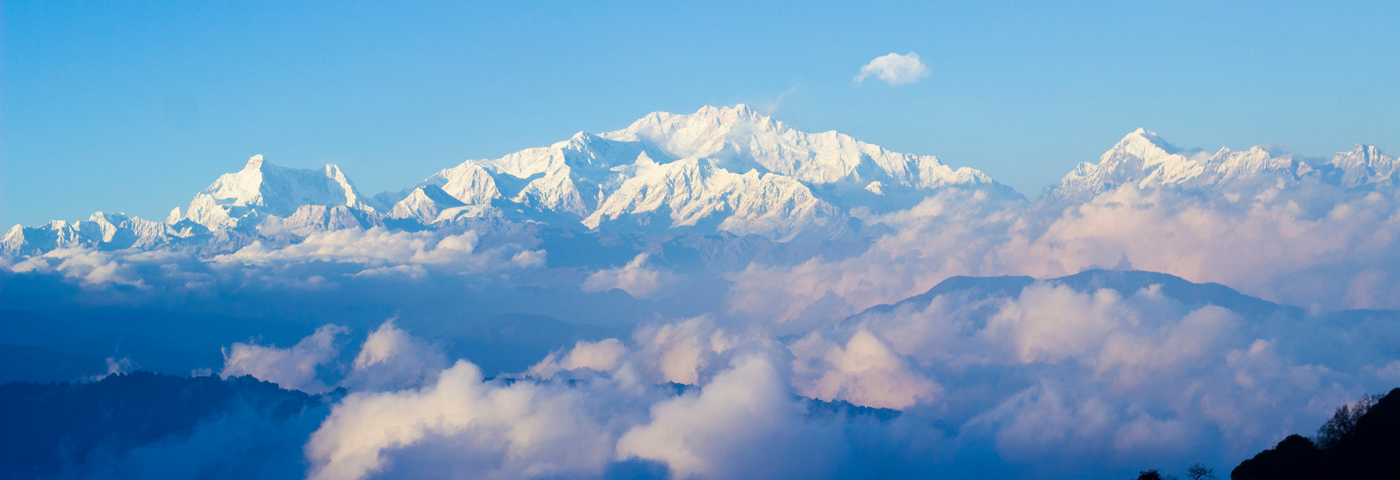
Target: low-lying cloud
{"points": [[1311, 245], [635, 278], [1052, 380], [293, 368]]}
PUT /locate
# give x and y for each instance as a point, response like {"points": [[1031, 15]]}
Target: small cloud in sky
{"points": [[894, 68]]}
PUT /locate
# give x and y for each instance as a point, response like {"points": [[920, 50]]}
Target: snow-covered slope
{"points": [[424, 204], [1365, 165], [725, 169], [694, 192], [730, 169], [260, 201], [104, 231], [263, 189], [1144, 159]]}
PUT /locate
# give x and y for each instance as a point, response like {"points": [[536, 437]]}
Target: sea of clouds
{"points": [[1053, 382], [718, 368]]}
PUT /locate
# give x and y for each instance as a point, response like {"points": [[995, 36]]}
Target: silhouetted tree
{"points": [[1343, 421], [1360, 441], [1198, 471]]}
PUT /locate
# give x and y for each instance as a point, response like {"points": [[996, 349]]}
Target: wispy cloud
{"points": [[770, 107]]}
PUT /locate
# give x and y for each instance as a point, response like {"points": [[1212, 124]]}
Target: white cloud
{"points": [[634, 278], [391, 359], [600, 356], [688, 351], [1307, 247], [1050, 323], [529, 258], [1390, 372], [743, 424], [291, 368], [894, 69], [865, 372], [1117, 379], [374, 246], [493, 431], [1085, 382], [91, 267]]}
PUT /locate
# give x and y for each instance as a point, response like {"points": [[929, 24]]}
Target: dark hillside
{"points": [[1358, 443], [51, 427]]}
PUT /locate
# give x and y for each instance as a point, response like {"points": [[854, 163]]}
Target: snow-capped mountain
{"points": [[108, 231], [1365, 165], [1144, 159], [260, 201], [263, 189], [729, 169], [719, 169], [716, 170]]}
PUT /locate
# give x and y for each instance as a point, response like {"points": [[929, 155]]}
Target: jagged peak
{"points": [[737, 111], [724, 116], [255, 162], [1366, 151], [1143, 138], [100, 217], [1364, 155]]}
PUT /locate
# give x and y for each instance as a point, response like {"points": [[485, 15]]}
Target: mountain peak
{"points": [[271, 189], [739, 110], [1365, 164], [1142, 140], [708, 117]]}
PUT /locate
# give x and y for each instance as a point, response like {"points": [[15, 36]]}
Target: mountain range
{"points": [[1145, 160], [730, 170]]}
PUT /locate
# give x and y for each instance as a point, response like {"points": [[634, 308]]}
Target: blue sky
{"points": [[135, 106]]}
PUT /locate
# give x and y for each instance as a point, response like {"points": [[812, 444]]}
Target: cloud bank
{"points": [[1090, 375], [1310, 245]]}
